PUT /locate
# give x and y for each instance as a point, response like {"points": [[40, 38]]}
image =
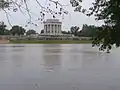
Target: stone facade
{"points": [[52, 27], [53, 31]]}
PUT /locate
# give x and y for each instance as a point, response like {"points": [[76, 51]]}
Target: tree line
{"points": [[86, 31], [15, 30]]}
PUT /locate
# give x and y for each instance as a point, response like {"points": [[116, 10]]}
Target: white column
{"points": [[50, 29], [54, 29], [47, 29], [44, 29], [58, 29]]}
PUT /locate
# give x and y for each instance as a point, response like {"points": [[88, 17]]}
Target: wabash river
{"points": [[58, 67]]}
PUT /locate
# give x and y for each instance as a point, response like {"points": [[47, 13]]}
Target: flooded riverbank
{"points": [[58, 67]]}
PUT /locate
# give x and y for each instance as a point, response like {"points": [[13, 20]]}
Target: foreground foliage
{"points": [[109, 11]]}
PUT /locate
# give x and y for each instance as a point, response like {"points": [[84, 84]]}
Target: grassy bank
{"points": [[51, 42]]}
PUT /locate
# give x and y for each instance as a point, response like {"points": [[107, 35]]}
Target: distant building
{"points": [[53, 31], [52, 27]]}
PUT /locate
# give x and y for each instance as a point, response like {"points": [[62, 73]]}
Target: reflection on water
{"points": [[2, 49], [17, 60], [58, 67], [54, 48], [51, 60]]}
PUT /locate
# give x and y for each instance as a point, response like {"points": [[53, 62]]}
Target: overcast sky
{"points": [[74, 18]]}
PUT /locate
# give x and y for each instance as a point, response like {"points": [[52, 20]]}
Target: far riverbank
{"points": [[51, 41]]}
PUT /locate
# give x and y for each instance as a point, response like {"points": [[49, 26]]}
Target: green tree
{"points": [[4, 4], [109, 12], [65, 32], [88, 31], [7, 32], [31, 31], [17, 30], [42, 31], [3, 30], [74, 30]]}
